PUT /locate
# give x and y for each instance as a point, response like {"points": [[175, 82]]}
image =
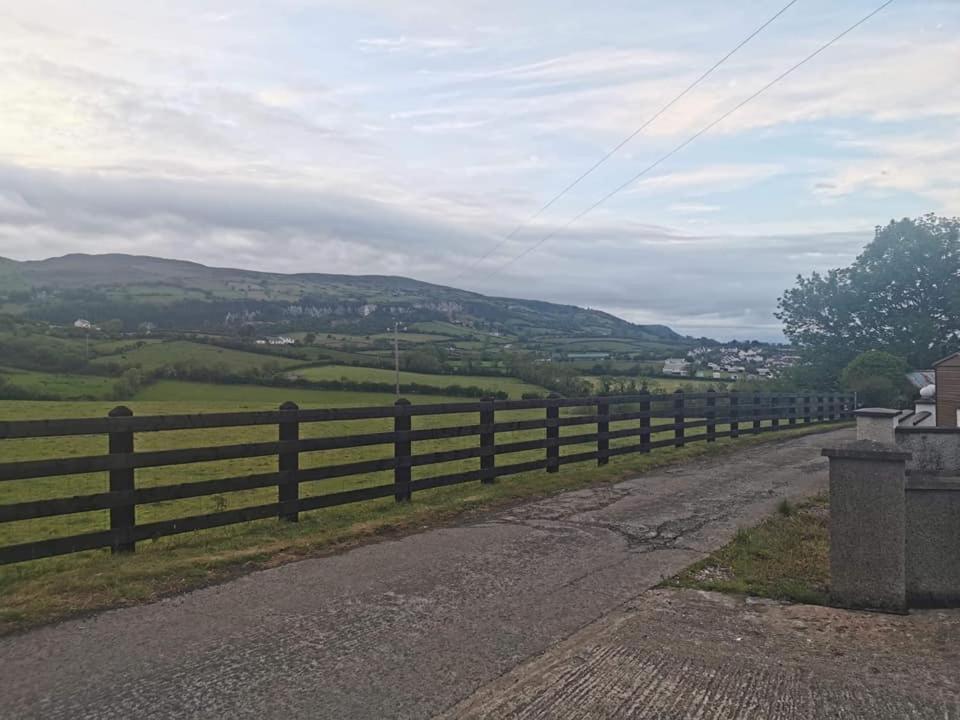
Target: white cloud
{"points": [[404, 44], [708, 179], [693, 208], [927, 165]]}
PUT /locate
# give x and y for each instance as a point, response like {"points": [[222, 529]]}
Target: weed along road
{"points": [[409, 627]]}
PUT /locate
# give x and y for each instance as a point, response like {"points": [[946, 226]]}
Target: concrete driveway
{"points": [[690, 654], [405, 628]]}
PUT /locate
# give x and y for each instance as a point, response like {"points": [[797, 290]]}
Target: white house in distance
{"points": [[676, 366], [276, 340], [82, 324]]}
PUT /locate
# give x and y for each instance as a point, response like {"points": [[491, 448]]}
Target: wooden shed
{"points": [[948, 390]]}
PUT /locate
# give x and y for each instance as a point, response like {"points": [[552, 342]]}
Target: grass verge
{"points": [[786, 557], [61, 587]]}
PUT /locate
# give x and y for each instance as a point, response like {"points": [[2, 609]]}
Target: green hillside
{"points": [[178, 295]]}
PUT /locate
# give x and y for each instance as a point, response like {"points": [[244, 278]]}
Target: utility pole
{"points": [[396, 354]]}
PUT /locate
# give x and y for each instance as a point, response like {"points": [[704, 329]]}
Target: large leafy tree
{"points": [[902, 295]]}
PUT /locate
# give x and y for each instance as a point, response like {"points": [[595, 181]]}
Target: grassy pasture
{"points": [[110, 347], [155, 355], [54, 587], [514, 387], [412, 337], [259, 397], [661, 383], [62, 385], [437, 327]]}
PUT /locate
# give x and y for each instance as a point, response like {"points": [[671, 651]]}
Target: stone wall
{"points": [[935, 450], [932, 558], [894, 534]]}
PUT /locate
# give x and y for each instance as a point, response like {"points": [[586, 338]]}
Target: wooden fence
{"points": [[717, 414]]}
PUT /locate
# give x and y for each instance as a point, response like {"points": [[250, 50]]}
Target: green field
{"points": [[260, 397], [657, 384], [444, 328], [411, 337], [110, 347], [155, 355], [59, 385], [512, 386]]}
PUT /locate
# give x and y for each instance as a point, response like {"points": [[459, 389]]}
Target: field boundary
{"points": [[711, 411]]}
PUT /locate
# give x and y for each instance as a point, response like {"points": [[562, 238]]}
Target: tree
{"points": [[879, 379], [112, 327], [422, 361], [902, 294], [309, 339]]}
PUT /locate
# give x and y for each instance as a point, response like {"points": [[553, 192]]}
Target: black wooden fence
{"points": [[718, 414]]}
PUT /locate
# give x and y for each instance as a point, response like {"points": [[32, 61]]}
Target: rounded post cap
{"points": [[402, 401], [120, 411], [289, 405]]}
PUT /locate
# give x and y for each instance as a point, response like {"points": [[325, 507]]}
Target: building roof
{"points": [[922, 378], [948, 357]]}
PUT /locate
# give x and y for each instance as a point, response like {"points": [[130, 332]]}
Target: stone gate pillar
{"points": [[868, 525]]}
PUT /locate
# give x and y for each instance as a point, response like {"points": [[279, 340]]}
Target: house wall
{"points": [[948, 391]]}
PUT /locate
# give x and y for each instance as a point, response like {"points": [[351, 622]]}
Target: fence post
{"points": [[124, 517], [819, 408], [288, 462], [553, 433], [711, 415], [603, 430], [645, 421], [792, 409], [487, 440], [806, 408], [775, 411], [401, 450], [734, 414], [757, 401], [678, 418], [831, 407]]}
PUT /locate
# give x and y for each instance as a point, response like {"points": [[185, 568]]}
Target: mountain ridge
{"points": [[184, 294]]}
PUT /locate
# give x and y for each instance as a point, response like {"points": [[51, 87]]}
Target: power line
{"points": [[623, 142], [693, 137]]}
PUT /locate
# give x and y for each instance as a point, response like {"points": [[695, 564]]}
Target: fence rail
{"points": [[675, 413]]}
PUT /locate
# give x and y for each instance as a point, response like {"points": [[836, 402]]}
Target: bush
{"points": [[879, 379]]}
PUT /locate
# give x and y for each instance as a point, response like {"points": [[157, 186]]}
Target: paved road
{"points": [[404, 628]]}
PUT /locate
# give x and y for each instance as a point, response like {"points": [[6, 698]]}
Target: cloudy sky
{"points": [[386, 137]]}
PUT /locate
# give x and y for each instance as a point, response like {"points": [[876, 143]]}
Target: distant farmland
{"points": [[156, 355], [512, 386], [261, 397]]}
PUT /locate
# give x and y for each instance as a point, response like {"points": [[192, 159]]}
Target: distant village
{"points": [[731, 363]]}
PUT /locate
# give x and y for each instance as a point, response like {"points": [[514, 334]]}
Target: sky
{"points": [[410, 138]]}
